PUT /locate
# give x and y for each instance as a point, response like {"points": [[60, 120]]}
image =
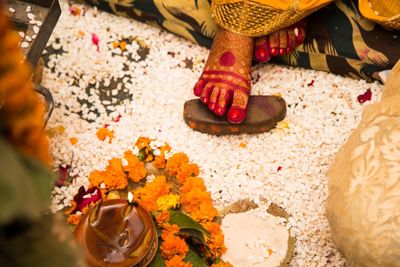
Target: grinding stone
{"points": [[263, 114]]}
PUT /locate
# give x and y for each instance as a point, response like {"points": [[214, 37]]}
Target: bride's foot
{"points": [[225, 81], [279, 43]]}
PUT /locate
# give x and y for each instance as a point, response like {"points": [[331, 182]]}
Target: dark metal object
{"points": [[49, 101], [46, 11]]}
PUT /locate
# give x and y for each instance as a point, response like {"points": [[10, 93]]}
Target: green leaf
{"points": [[195, 260], [185, 222], [194, 234], [142, 154], [158, 261]]}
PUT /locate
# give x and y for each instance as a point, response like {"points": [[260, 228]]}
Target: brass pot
{"points": [[115, 233]]}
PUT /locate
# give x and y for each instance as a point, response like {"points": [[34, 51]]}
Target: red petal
{"points": [[93, 195], [365, 97], [62, 175]]}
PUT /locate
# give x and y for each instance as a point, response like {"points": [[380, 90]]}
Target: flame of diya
{"points": [[117, 233]]}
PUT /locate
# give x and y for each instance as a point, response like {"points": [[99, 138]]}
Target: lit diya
{"points": [[117, 233]]}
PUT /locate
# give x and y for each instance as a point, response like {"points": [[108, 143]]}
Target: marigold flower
{"points": [[159, 162], [172, 244], [177, 261], [143, 142], [175, 162], [186, 170], [115, 177], [73, 140], [162, 217], [197, 201], [167, 202], [97, 177], [148, 195], [74, 219], [135, 168], [216, 240], [103, 133]]}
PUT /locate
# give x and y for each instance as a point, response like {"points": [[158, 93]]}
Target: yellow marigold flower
{"points": [[167, 202], [148, 195], [135, 168], [103, 133], [177, 261], [175, 162], [73, 140], [186, 170]]}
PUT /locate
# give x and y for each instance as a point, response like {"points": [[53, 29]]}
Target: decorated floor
{"points": [[133, 78]]}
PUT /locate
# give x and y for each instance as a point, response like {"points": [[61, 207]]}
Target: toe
{"points": [[205, 93], [291, 39], [213, 98], [199, 87], [274, 43], [224, 100], [262, 50], [283, 44], [238, 111]]}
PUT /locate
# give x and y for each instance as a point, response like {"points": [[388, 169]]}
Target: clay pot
{"points": [[117, 234]]}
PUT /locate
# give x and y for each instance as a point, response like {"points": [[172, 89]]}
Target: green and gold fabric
{"points": [[342, 37]]}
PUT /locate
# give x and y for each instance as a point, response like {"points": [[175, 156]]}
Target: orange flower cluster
{"points": [[179, 165], [222, 264], [21, 110], [135, 168], [177, 261], [172, 244], [162, 217], [197, 201], [103, 133], [216, 241], [114, 177], [148, 195]]}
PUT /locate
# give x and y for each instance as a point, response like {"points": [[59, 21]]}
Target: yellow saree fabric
{"points": [[261, 17]]}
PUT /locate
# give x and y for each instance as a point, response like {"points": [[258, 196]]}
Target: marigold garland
{"points": [[21, 110], [179, 189]]}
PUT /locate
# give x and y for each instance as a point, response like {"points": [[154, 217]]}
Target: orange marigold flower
{"points": [[143, 142], [74, 219], [103, 133], [159, 162], [73, 140], [135, 168], [177, 261], [162, 217], [148, 195], [197, 201], [186, 170], [216, 240], [172, 244], [115, 175], [97, 177], [71, 209], [175, 162]]}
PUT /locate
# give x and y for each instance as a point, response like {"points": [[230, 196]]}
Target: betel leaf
{"points": [[195, 260], [194, 234], [158, 261], [185, 222]]}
